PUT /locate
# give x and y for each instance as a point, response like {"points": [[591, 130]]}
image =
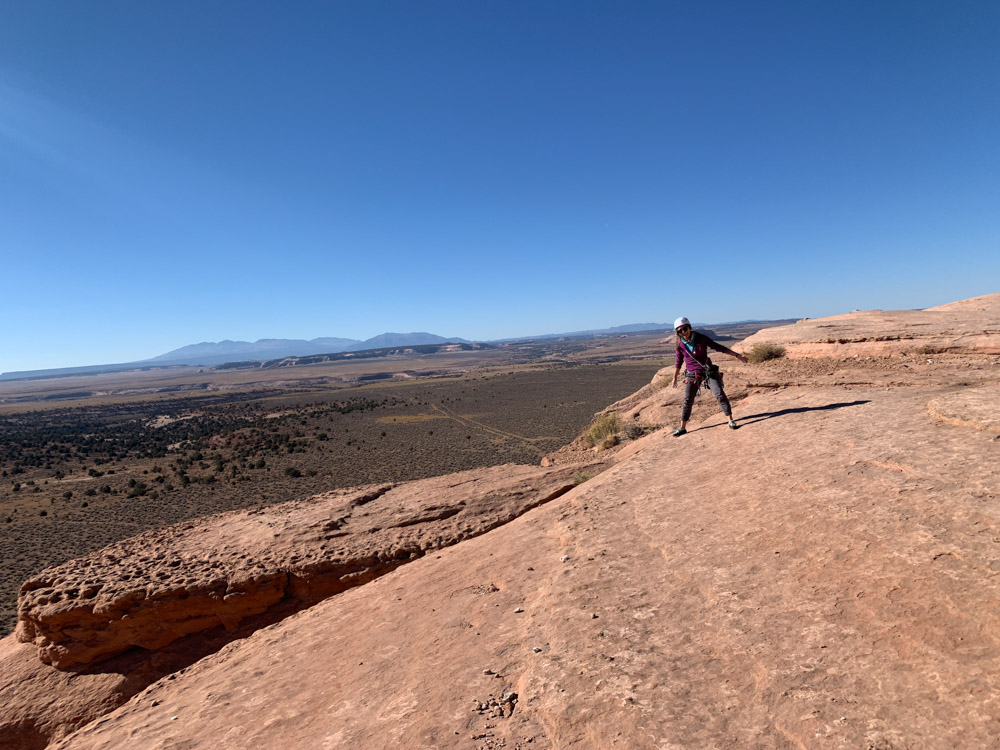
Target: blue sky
{"points": [[179, 172]]}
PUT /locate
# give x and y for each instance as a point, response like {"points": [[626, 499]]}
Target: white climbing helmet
{"points": [[682, 321]]}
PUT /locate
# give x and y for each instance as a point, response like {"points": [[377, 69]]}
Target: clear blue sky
{"points": [[178, 172]]}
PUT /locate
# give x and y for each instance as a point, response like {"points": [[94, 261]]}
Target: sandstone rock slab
{"points": [[152, 589], [184, 592], [974, 407], [968, 326]]}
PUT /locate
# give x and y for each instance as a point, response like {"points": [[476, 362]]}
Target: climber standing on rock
{"points": [[692, 349]]}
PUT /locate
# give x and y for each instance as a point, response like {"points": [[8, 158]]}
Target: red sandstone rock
{"points": [[168, 591], [152, 589], [969, 407], [968, 326], [41, 703]]}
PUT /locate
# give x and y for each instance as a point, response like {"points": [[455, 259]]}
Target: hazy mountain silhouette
{"points": [[404, 339], [260, 349], [211, 353]]}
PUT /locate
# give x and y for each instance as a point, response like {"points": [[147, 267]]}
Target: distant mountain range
{"points": [[630, 328], [209, 353], [218, 353]]}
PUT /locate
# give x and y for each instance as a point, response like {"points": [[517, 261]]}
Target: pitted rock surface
{"points": [[157, 587]]}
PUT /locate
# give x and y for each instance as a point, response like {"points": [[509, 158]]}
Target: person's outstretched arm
{"points": [[720, 348]]}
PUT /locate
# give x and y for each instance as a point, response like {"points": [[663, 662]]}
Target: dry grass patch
{"points": [[604, 427], [764, 351], [634, 431]]}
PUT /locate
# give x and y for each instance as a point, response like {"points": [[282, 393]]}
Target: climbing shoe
{"points": [[733, 425], [680, 431]]}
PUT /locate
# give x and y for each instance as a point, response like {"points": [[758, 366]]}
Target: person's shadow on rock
{"points": [[753, 418]]}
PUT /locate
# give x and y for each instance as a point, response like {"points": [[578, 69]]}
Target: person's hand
{"points": [[742, 359], [674, 384]]}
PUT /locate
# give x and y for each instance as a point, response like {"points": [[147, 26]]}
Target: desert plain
{"points": [[826, 576], [88, 460]]}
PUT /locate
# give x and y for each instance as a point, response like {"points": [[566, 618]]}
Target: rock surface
{"points": [[827, 576], [968, 326], [229, 575], [150, 590]]}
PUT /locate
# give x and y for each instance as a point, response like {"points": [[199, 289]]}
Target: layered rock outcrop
{"points": [[968, 326], [150, 590]]}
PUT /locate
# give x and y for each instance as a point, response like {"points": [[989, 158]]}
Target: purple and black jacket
{"points": [[702, 344]]}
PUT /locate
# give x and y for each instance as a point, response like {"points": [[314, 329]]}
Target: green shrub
{"points": [[764, 351], [603, 427], [579, 477]]}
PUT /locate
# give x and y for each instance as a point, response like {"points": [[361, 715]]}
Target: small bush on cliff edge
{"points": [[764, 351], [634, 431], [603, 427]]}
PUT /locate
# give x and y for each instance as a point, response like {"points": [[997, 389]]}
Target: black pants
{"points": [[691, 385]]}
